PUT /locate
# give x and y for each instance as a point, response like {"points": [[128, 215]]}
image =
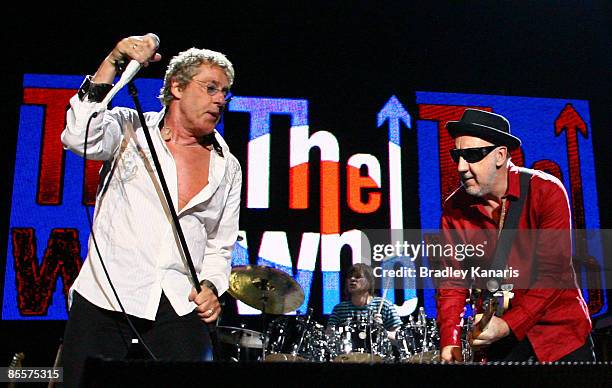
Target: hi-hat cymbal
{"points": [[265, 287]]}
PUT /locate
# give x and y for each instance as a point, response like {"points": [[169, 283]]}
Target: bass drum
{"points": [[359, 341]]}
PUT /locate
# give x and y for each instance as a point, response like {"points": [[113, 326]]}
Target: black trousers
{"points": [[510, 349], [95, 332]]}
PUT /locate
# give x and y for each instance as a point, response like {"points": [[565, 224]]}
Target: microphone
{"points": [[130, 71]]}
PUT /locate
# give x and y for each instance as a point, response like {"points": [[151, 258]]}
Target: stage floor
{"points": [[107, 373]]}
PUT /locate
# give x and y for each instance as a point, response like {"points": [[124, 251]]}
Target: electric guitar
{"points": [[56, 364], [493, 304], [15, 363]]}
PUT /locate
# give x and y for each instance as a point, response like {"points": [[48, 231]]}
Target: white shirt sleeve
{"points": [[105, 129]]}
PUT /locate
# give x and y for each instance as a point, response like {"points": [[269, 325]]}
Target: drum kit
{"points": [[360, 339], [302, 339]]}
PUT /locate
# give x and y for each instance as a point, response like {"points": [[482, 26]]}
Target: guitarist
{"points": [[547, 319]]}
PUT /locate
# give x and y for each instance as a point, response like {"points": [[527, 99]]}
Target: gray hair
{"points": [[184, 66]]}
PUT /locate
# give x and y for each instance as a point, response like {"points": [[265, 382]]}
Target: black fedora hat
{"points": [[485, 125]]}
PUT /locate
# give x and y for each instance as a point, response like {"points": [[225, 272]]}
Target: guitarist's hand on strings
{"points": [[208, 305], [496, 329]]}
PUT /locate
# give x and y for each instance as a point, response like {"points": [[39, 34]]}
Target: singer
{"points": [[135, 262]]}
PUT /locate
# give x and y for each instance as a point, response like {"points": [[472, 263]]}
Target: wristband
{"points": [[94, 92]]}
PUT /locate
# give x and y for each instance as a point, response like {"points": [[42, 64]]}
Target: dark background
{"points": [[347, 58]]}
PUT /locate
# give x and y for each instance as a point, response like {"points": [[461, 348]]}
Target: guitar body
{"points": [[492, 305], [56, 364], [479, 353]]}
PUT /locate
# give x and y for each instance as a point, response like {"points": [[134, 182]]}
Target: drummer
{"points": [[362, 302]]}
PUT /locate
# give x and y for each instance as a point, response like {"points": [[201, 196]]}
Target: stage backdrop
{"points": [[308, 191]]}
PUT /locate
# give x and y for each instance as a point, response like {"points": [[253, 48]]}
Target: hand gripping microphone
{"points": [[130, 71]]}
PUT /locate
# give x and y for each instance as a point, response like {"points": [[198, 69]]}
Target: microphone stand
{"points": [[212, 328]]}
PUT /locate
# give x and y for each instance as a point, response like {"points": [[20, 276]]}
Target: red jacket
{"points": [[548, 307]]}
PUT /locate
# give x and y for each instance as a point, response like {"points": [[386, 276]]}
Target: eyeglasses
{"points": [[212, 89], [471, 155]]}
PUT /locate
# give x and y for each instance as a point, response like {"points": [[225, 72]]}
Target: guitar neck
{"points": [[16, 363]]}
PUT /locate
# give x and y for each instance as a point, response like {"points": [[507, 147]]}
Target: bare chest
{"points": [[192, 172], [497, 212]]}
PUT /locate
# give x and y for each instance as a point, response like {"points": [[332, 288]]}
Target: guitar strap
{"points": [[507, 233]]}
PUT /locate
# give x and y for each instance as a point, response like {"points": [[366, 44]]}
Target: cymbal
{"points": [[358, 358], [282, 357], [266, 287], [239, 336], [423, 357]]}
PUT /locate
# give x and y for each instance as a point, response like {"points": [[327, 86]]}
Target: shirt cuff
{"points": [[208, 284], [519, 322], [450, 335]]}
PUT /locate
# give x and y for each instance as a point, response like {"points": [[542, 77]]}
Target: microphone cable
{"points": [[93, 236]]}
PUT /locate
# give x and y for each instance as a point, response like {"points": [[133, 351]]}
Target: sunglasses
{"points": [[471, 155]]}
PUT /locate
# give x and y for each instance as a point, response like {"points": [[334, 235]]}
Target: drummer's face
{"points": [[357, 282]]}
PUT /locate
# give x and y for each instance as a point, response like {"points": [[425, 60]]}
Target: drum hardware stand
{"points": [[423, 322], [238, 343], [380, 306], [295, 351], [265, 287], [409, 347], [371, 323], [380, 326], [345, 335], [238, 352]]}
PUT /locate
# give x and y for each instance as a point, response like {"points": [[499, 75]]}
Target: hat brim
{"points": [[495, 136]]}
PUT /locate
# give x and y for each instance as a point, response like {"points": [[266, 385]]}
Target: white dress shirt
{"points": [[132, 225]]}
